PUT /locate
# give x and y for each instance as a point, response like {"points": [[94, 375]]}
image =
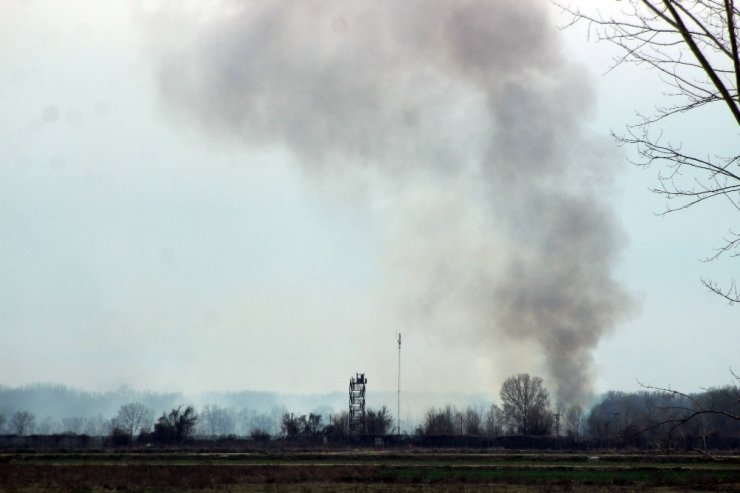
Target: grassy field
{"points": [[375, 471]]}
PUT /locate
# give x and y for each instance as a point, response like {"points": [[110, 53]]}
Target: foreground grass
{"points": [[361, 471]]}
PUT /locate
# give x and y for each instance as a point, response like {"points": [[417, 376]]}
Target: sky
{"points": [[224, 196]]}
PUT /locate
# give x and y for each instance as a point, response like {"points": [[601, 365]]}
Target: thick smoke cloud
{"points": [[469, 112]]}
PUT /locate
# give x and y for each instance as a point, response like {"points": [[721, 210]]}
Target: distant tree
{"points": [[493, 421], [276, 414], [574, 422], [717, 409], [264, 422], [291, 426], [73, 425], [119, 436], [97, 426], [247, 420], [439, 421], [338, 427], [451, 421], [22, 423], [458, 421], [217, 421], [260, 435], [47, 426], [472, 422], [598, 424], [526, 405], [378, 421], [312, 424], [134, 417], [2, 423], [176, 426], [665, 418]]}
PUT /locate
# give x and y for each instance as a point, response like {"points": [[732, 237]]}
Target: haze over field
{"points": [[260, 195]]}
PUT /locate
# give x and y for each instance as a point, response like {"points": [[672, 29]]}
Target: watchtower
{"points": [[357, 404]]}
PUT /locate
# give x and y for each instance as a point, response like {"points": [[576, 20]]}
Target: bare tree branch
{"points": [[693, 46], [687, 414]]}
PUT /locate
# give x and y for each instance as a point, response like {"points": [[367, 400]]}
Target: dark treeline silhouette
{"points": [[526, 418], [668, 419], [650, 419]]}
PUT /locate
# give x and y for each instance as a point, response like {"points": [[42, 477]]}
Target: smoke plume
{"points": [[468, 117]]}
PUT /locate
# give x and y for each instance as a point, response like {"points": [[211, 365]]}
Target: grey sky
{"points": [[148, 243]]}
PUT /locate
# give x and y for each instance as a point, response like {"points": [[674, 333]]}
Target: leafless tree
{"points": [[693, 45], [21, 423], [493, 421], [472, 421], [663, 418], [217, 421], [291, 426], [73, 425], [378, 421], [440, 421], [260, 435], [133, 417], [264, 422], [339, 424], [574, 422], [313, 424], [248, 421], [47, 426], [526, 405], [686, 408], [97, 426]]}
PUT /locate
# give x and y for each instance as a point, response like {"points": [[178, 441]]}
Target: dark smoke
{"points": [[473, 114]]}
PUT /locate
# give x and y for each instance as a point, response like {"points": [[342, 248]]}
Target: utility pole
{"points": [[398, 409]]}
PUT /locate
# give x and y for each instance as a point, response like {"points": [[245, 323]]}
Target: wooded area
{"points": [[650, 419]]}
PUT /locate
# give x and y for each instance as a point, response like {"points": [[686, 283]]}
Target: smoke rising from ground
{"points": [[465, 117]]}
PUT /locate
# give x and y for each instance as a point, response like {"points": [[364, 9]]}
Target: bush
{"points": [[120, 436], [259, 435]]}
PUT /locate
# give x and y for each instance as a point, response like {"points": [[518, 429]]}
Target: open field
{"points": [[375, 471]]}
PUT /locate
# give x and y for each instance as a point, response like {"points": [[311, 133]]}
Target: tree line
{"points": [[652, 418]]}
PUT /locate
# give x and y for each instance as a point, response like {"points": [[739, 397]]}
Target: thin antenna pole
{"points": [[398, 410]]}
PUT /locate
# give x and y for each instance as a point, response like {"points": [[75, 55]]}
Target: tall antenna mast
{"points": [[398, 410]]}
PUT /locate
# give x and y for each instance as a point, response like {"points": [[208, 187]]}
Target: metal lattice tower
{"points": [[357, 404]]}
